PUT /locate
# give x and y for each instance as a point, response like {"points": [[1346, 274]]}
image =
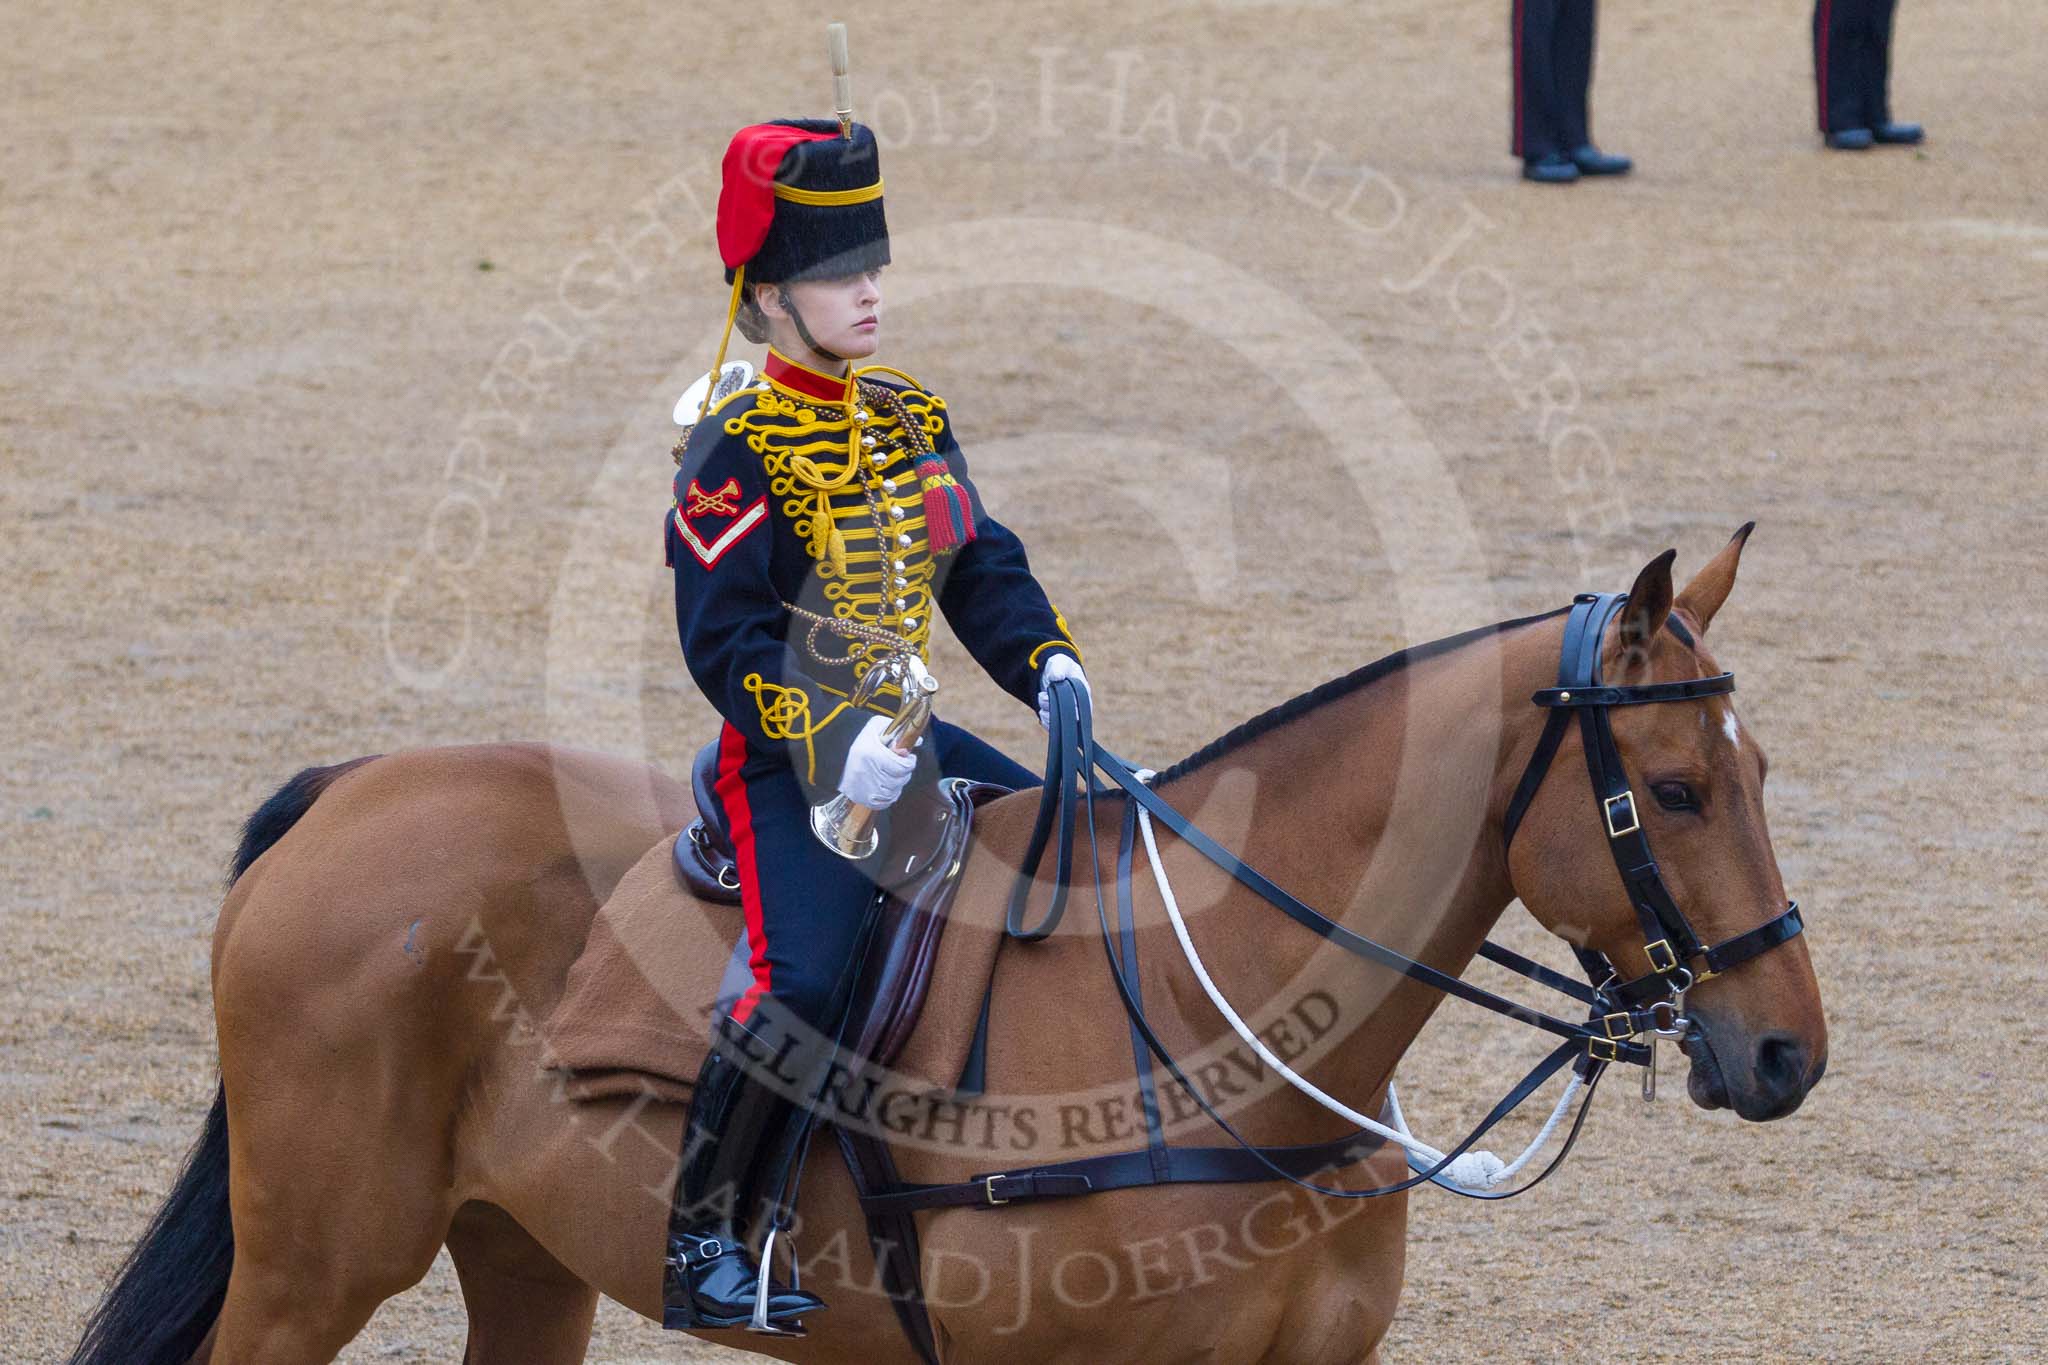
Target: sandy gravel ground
{"points": [[338, 353]]}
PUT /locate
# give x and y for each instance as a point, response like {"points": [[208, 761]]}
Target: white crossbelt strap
{"points": [[1473, 1170]]}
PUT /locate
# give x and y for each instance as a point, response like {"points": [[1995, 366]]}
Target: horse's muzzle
{"points": [[1774, 1082]]}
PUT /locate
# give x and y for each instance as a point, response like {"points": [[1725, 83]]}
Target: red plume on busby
{"points": [[800, 198]]}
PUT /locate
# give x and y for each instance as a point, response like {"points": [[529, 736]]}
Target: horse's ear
{"points": [[1649, 603], [1710, 586]]}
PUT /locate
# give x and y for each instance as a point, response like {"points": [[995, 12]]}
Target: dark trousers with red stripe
{"points": [[806, 907], [1852, 62], [1553, 78]]}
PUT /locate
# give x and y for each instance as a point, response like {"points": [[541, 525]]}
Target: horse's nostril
{"points": [[1780, 1064]]}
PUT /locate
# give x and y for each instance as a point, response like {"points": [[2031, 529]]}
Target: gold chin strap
{"points": [[732, 311]]}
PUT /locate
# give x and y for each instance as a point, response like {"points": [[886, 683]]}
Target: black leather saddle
{"points": [[704, 856]]}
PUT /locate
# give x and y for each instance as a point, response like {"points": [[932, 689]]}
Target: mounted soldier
{"points": [[823, 515]]}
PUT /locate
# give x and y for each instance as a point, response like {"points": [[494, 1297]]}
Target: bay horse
{"points": [[378, 1102]]}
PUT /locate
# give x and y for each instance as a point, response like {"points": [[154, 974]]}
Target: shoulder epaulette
{"points": [[753, 390]]}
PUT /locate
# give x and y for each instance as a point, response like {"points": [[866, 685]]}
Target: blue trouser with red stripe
{"points": [[806, 906], [1553, 76], [1852, 61]]}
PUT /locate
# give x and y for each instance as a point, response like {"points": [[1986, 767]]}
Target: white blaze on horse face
{"points": [[1729, 727]]}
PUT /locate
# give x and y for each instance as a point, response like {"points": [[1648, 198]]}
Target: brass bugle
{"points": [[844, 825]]}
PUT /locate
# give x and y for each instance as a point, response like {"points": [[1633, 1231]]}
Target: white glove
{"points": [[876, 770], [1057, 667]]}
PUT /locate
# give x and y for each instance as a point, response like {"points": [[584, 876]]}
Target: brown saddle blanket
{"points": [[667, 952]]}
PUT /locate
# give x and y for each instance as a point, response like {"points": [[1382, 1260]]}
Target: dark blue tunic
{"points": [[789, 509]]}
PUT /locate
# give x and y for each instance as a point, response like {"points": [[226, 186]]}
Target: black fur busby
{"points": [[812, 240]]}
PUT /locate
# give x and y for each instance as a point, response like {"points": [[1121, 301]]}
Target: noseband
{"points": [[1674, 949]]}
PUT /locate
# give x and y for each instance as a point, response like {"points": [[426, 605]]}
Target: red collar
{"points": [[825, 388]]}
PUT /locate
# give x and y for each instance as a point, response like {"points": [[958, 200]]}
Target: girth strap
{"points": [[1128, 1170]]}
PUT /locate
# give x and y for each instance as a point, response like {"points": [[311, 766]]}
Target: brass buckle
{"points": [[1614, 829], [1611, 1052], [1665, 964], [988, 1187], [1626, 1028]]}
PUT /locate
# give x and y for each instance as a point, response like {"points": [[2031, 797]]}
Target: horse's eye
{"points": [[1676, 796]]}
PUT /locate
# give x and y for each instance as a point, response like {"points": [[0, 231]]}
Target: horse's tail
{"points": [[167, 1294], [275, 817], [169, 1291]]}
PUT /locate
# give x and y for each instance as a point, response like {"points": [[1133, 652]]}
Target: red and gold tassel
{"points": [[948, 517]]}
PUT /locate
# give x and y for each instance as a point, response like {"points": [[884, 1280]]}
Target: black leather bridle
{"points": [[1620, 1014], [1678, 958]]}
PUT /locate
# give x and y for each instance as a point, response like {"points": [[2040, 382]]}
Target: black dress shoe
{"points": [[1898, 134], [1592, 161], [1554, 168], [1851, 139]]}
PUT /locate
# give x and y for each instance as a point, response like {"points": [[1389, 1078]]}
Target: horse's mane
{"points": [[1296, 707]]}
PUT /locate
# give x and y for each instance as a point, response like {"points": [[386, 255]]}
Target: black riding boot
{"points": [[710, 1278]]}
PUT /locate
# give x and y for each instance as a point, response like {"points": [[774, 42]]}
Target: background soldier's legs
{"points": [[1843, 53], [1536, 100], [1572, 60], [1878, 63]]}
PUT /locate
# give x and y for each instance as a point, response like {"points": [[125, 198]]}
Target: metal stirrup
{"points": [[760, 1323]]}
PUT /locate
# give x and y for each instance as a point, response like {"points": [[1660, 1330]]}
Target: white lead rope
{"points": [[1473, 1170]]}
